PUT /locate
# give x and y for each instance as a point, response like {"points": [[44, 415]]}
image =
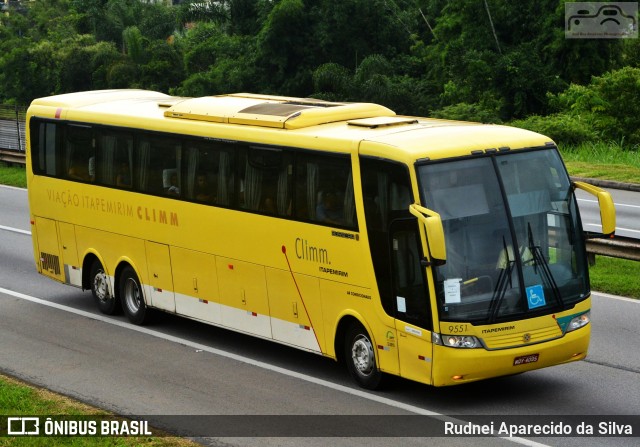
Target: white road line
{"points": [[15, 230], [616, 297], [13, 187], [355, 392]]}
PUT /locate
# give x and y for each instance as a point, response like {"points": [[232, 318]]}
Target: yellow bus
{"points": [[440, 251]]}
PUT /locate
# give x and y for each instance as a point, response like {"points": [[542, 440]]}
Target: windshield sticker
{"points": [[452, 290], [402, 304], [535, 296]]}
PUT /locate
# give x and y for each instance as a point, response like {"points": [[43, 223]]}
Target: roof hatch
{"points": [[271, 111], [383, 121]]}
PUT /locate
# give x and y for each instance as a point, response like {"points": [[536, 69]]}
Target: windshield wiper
{"points": [[504, 279], [540, 261]]}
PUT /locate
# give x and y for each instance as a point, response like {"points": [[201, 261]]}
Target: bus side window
{"points": [[386, 190], [209, 173], [324, 190], [266, 186], [114, 162], [43, 147], [154, 155], [79, 150]]}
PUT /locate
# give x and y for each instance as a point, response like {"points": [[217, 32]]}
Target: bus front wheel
{"points": [[106, 301], [132, 298], [361, 358]]}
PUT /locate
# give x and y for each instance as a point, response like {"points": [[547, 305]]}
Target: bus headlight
{"points": [[460, 341], [579, 321]]}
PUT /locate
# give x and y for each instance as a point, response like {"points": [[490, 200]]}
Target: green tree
{"points": [[513, 51], [283, 46], [164, 69], [216, 62], [79, 64], [373, 81], [610, 102]]}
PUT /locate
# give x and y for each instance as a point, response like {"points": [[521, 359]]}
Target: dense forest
{"points": [[484, 60]]}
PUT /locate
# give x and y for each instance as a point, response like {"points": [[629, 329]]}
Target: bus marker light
{"points": [[460, 377]]}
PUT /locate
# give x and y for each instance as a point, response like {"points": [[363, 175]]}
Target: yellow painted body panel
{"points": [[295, 298], [506, 342], [68, 240], [194, 274], [415, 349], [279, 279], [195, 283], [471, 366], [160, 276], [48, 252], [243, 285]]}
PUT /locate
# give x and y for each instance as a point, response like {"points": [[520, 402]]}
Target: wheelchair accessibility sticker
{"points": [[535, 297]]}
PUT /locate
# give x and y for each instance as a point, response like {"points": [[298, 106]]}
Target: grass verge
{"points": [[13, 175], [21, 399], [606, 161], [615, 276]]}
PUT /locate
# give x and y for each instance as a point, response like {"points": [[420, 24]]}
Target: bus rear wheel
{"points": [[106, 301], [132, 298], [360, 358]]}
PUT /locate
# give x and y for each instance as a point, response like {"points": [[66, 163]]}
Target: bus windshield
{"points": [[512, 232]]}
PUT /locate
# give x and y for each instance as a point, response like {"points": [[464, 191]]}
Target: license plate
{"points": [[523, 360]]}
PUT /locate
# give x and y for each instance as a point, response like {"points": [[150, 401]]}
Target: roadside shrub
{"points": [[479, 112], [564, 129], [610, 102]]}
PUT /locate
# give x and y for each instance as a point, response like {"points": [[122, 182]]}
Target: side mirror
{"points": [[434, 231], [607, 209]]}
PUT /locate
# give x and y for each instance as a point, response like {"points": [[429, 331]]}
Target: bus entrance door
{"points": [[413, 315]]}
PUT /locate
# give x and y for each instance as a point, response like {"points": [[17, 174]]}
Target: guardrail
{"points": [[12, 133], [618, 247], [12, 157]]}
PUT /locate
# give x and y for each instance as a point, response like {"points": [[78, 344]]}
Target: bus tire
{"points": [[107, 302], [131, 296], [360, 358]]}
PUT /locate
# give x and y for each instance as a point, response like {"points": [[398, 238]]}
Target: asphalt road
{"points": [[627, 204], [52, 335]]}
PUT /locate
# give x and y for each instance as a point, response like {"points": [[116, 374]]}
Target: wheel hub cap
{"points": [[100, 286], [362, 355]]}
